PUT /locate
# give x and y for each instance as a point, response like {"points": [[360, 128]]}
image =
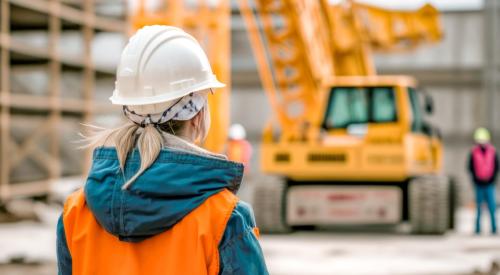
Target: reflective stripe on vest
{"points": [[190, 247], [484, 162]]}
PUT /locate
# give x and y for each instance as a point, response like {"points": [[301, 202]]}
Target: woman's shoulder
{"points": [[244, 212], [240, 251], [241, 222]]}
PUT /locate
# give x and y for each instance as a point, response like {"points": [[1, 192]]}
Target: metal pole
{"points": [[494, 63], [481, 114], [495, 69], [490, 67]]}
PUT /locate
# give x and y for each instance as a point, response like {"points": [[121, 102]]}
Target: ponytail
{"points": [[149, 142]]}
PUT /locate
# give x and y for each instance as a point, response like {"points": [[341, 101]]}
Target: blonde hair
{"points": [[149, 141]]}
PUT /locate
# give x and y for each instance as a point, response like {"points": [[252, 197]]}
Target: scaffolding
{"points": [[48, 79]]}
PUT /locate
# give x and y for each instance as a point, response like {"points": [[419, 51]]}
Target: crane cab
{"points": [[367, 128]]}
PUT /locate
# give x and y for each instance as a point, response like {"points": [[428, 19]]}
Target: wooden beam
{"points": [[40, 103], [44, 160], [32, 188], [4, 96], [41, 158], [71, 14], [27, 146], [88, 77], [44, 54], [54, 94]]}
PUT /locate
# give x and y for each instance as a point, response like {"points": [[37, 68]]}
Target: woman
{"points": [[155, 203]]}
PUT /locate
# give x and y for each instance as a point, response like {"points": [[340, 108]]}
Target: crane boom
{"points": [[292, 57], [358, 29], [298, 44]]}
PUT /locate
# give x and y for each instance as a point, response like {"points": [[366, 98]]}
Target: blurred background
{"points": [[57, 66]]}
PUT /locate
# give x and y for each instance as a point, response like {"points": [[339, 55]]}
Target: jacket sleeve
{"points": [[469, 163], [470, 166], [64, 261], [239, 249], [495, 172]]}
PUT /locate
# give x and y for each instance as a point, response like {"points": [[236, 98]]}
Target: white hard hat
{"points": [[237, 131], [160, 64]]}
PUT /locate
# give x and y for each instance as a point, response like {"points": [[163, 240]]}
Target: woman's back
{"points": [[170, 221], [154, 202], [189, 247]]}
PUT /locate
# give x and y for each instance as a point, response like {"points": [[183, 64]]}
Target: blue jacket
{"points": [[177, 183]]}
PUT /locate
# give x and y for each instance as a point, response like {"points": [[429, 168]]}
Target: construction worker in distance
{"points": [[483, 167], [154, 202], [238, 148]]}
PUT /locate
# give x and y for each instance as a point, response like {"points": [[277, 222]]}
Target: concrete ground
{"points": [[28, 247], [379, 253]]}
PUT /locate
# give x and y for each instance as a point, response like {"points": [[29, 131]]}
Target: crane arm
{"points": [[359, 29], [391, 30], [299, 43], [289, 39]]}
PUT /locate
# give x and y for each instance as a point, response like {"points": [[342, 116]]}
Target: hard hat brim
{"points": [[117, 100], [482, 140]]}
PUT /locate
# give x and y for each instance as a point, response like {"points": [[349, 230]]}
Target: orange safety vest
{"points": [[189, 247], [239, 151]]}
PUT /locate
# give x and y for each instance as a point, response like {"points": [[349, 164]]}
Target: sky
{"points": [[391, 4], [413, 4]]}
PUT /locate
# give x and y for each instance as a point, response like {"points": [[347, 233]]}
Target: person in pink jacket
{"points": [[483, 168]]}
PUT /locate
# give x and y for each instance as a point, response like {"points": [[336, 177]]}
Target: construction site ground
{"points": [[28, 247]]}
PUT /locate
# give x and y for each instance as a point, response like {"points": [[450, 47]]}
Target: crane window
{"points": [[360, 105], [417, 120], [383, 107]]}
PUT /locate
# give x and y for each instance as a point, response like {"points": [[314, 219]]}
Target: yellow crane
{"points": [[350, 146]]}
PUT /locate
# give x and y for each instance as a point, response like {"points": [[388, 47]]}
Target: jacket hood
{"points": [[177, 183]]}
